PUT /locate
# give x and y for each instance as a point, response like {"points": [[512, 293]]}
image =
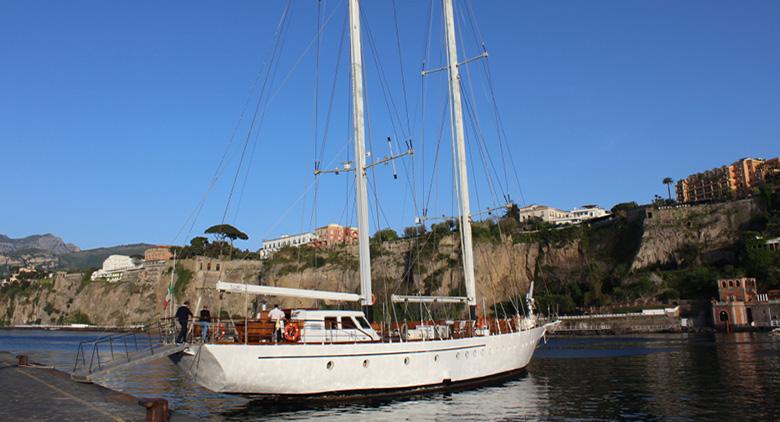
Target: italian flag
{"points": [[168, 296]]}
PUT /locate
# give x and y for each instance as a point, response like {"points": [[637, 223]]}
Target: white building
{"points": [[543, 212], [773, 244], [587, 212], [115, 266], [272, 245], [557, 216]]}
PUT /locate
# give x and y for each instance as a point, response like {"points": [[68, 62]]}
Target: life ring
{"points": [[291, 332], [220, 332], [481, 322]]}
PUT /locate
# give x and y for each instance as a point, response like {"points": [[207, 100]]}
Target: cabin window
{"points": [[348, 324], [217, 267], [208, 266], [737, 283], [331, 324], [364, 323], [314, 326], [731, 284]]}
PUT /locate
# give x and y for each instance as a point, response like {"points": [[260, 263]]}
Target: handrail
{"points": [[117, 345]]}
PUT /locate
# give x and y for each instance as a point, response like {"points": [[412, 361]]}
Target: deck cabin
{"points": [[315, 326]]}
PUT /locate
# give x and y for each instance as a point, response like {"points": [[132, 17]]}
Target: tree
{"points": [[385, 235], [226, 231], [623, 207], [668, 182]]}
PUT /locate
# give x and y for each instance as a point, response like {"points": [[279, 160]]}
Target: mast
{"points": [[356, 54], [463, 180]]}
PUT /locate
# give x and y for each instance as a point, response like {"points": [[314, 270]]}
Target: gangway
{"points": [[109, 353]]}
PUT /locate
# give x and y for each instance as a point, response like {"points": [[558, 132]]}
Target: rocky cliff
{"points": [[577, 264], [713, 229]]}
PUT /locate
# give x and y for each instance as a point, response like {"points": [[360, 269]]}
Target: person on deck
{"points": [[277, 317], [205, 320], [183, 315]]}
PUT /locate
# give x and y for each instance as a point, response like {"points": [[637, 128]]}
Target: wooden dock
{"points": [[36, 392]]}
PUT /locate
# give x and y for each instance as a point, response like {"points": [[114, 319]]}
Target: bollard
{"points": [[156, 409], [23, 360]]}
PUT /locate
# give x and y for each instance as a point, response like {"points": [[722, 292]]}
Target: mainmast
{"points": [[358, 120], [463, 181]]}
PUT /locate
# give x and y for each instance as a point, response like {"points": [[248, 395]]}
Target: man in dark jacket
{"points": [[183, 315], [205, 319]]}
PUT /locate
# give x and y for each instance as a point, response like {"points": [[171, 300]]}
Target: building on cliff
{"points": [[272, 245], [557, 216], [158, 253], [335, 234], [739, 305], [115, 267], [733, 181], [325, 236]]}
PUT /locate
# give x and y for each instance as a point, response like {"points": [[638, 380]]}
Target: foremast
{"points": [[456, 110], [358, 122]]}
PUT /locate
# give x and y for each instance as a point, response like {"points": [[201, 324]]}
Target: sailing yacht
{"points": [[338, 351]]}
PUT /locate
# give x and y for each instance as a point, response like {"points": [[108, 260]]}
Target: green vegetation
{"points": [[183, 278], [77, 318], [86, 278], [200, 246], [668, 182]]}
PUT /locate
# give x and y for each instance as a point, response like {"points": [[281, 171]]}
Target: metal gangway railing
{"points": [[120, 350]]}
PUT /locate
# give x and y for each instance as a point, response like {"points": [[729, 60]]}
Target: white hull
{"points": [[307, 369]]}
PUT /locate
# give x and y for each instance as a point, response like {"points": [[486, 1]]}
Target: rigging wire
{"points": [[279, 35], [401, 67], [193, 217], [500, 130]]}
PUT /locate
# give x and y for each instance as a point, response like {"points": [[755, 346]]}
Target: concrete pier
{"points": [[34, 392]]}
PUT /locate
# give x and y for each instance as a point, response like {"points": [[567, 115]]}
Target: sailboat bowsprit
{"points": [[340, 351]]}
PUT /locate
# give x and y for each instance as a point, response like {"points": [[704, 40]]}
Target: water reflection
{"points": [[678, 377]]}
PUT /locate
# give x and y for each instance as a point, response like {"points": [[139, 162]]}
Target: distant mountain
{"points": [[47, 243], [93, 258]]}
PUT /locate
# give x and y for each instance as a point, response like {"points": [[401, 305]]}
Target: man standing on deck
{"points": [[183, 315], [277, 317], [205, 319]]}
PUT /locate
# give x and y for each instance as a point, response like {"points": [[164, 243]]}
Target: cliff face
{"points": [[504, 268], [712, 229]]}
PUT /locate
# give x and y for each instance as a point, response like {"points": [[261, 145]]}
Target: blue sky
{"points": [[114, 115]]}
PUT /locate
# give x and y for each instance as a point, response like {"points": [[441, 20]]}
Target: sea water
{"points": [[638, 377]]}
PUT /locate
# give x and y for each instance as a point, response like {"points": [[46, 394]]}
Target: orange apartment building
{"points": [[335, 234], [733, 181], [158, 253], [740, 305]]}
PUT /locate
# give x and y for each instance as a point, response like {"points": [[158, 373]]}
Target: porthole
{"points": [[365, 363], [466, 355], [406, 361], [436, 358], [457, 355], [329, 365]]}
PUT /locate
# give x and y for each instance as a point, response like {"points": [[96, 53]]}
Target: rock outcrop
{"points": [[504, 268]]}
